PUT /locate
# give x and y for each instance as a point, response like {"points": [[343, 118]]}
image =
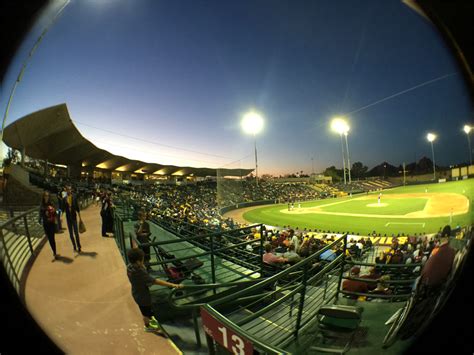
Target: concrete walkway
{"points": [[83, 302]]}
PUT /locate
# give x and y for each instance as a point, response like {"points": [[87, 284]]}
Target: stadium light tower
{"points": [[431, 137], [467, 130], [348, 160], [252, 123], [340, 126]]}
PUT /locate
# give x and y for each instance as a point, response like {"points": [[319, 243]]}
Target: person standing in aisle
{"points": [[47, 217], [71, 207]]}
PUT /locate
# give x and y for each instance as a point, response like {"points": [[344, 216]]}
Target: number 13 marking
{"points": [[238, 349]]}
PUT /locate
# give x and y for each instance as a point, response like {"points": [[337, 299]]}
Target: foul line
{"points": [[389, 223]]}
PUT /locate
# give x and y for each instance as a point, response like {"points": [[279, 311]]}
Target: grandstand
{"points": [[365, 186]]}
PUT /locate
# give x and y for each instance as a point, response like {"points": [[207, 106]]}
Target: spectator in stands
{"points": [[291, 255], [350, 243], [407, 254], [304, 249], [373, 274], [368, 243], [47, 217], [142, 233], [355, 285], [141, 281], [296, 241], [71, 207], [397, 257], [270, 258], [438, 266], [382, 288], [328, 255]]}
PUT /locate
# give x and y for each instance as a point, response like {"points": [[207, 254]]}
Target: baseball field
{"points": [[402, 210]]}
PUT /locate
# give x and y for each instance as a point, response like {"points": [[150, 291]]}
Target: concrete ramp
{"points": [[84, 303]]}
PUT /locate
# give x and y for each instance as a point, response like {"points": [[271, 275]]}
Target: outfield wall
{"points": [[420, 179], [459, 173], [246, 204]]}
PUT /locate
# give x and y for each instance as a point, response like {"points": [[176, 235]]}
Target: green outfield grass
{"points": [[272, 215], [394, 206]]}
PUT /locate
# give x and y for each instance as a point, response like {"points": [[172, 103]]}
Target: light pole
{"points": [[348, 160], [340, 126], [431, 137], [467, 130], [252, 123]]}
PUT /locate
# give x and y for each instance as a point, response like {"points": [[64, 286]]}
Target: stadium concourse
{"points": [[83, 301]]}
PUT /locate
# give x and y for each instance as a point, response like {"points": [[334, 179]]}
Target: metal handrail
{"points": [[279, 275], [18, 257], [172, 296], [270, 350], [375, 295], [14, 219]]}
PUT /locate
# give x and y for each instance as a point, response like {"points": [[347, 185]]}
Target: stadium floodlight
{"points": [[467, 130], [339, 125], [252, 123], [431, 137]]}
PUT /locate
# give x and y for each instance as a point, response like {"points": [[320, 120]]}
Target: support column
{"points": [[23, 155], [74, 170]]}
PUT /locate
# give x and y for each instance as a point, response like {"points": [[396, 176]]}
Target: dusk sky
{"points": [[169, 81]]}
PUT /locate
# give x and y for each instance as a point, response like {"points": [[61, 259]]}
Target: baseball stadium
{"points": [[156, 195]]}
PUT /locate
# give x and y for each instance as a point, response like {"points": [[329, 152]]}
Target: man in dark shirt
{"points": [[433, 276], [438, 266], [141, 281]]}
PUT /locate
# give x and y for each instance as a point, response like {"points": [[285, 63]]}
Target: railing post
{"points": [[196, 327], [302, 295], [210, 345], [342, 267], [326, 286], [27, 233], [260, 252], [122, 237], [213, 263]]}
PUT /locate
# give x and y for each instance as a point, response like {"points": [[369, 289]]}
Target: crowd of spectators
{"points": [[232, 192], [414, 250], [364, 185], [198, 204]]}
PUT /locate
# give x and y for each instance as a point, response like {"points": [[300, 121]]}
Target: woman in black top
{"points": [[107, 214], [48, 218]]}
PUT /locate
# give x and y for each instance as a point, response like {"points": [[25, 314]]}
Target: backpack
{"points": [[174, 274], [51, 214]]}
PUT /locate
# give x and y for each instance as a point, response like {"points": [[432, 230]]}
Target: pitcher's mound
{"points": [[377, 204]]}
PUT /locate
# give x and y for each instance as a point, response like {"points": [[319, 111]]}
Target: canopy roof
{"points": [[50, 134]]}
